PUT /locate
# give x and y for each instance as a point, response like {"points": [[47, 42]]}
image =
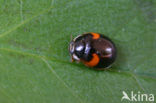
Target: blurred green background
{"points": [[34, 60]]}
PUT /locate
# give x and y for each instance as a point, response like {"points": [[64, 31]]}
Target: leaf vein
{"points": [[53, 71], [24, 22]]}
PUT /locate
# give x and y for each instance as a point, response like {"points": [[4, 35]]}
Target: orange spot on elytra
{"points": [[94, 61], [95, 35]]}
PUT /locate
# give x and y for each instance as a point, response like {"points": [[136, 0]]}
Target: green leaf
{"points": [[34, 60]]}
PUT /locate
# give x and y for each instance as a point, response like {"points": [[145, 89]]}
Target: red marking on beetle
{"points": [[95, 35], [94, 61]]}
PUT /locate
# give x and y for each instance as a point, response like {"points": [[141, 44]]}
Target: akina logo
{"points": [[137, 96]]}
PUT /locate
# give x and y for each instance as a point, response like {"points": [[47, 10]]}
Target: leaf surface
{"points": [[35, 62]]}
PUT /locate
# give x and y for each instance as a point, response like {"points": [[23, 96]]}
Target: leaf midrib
{"points": [[66, 62]]}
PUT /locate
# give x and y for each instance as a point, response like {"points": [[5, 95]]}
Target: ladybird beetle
{"points": [[93, 49]]}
